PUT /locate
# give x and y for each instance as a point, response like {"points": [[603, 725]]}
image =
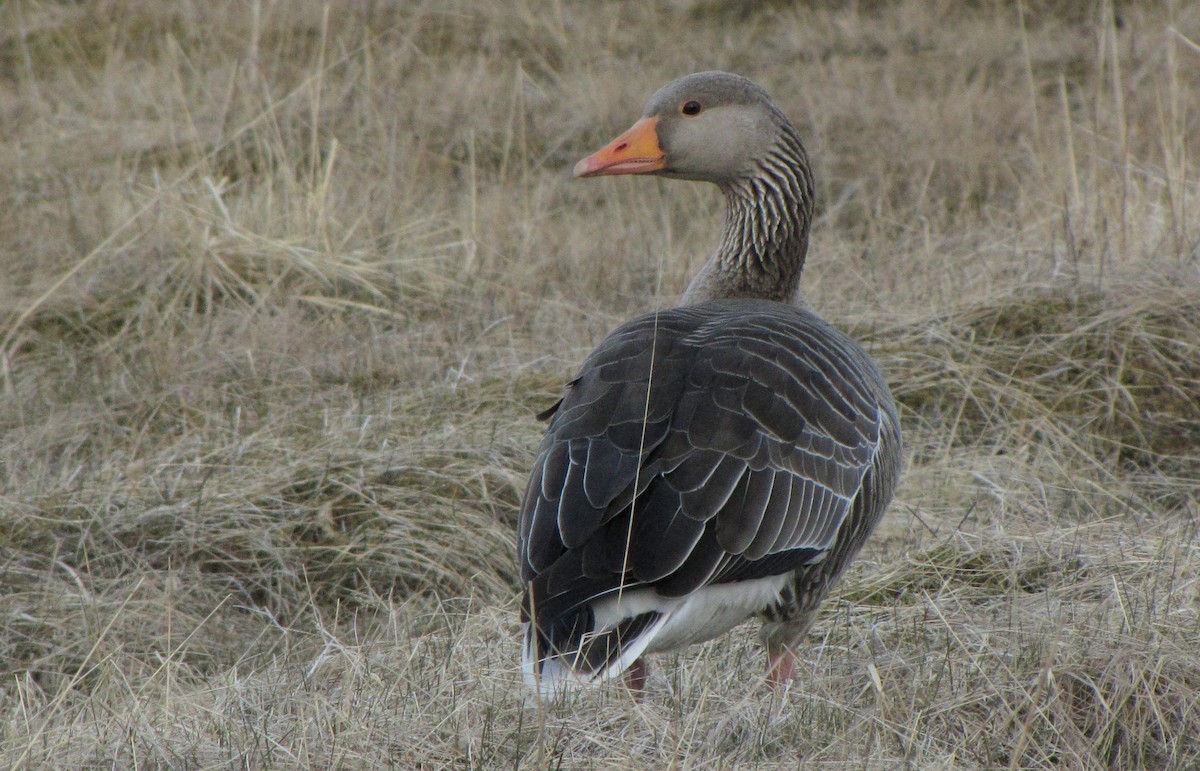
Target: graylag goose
{"points": [[720, 460]]}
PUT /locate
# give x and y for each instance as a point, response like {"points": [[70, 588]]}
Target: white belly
{"points": [[706, 613]]}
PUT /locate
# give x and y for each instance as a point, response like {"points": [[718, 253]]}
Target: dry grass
{"points": [[285, 284]]}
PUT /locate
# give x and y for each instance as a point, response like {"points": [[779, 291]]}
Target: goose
{"points": [[720, 460]]}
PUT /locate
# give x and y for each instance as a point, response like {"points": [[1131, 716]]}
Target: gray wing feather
{"points": [[704, 442]]}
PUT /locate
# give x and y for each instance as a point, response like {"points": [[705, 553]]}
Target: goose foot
{"points": [[636, 676], [780, 668]]}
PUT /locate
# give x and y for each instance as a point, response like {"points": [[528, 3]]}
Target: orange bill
{"points": [[635, 152]]}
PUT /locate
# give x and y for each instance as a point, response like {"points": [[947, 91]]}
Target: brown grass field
{"points": [[285, 283]]}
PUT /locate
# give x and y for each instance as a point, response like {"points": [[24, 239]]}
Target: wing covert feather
{"points": [[740, 432]]}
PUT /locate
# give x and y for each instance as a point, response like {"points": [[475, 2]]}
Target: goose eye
{"points": [[691, 108]]}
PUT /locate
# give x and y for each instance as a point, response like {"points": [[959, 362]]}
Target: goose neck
{"points": [[767, 219]]}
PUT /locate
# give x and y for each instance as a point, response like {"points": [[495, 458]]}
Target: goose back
{"points": [[723, 443]]}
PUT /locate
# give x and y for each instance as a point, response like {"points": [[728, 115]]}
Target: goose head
{"points": [[710, 126]]}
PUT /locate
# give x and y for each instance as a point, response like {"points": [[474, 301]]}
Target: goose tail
{"points": [[553, 667]]}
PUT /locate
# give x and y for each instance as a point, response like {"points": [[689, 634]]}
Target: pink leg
{"points": [[635, 677], [780, 667]]}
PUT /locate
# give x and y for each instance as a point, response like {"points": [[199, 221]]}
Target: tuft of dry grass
{"points": [[1104, 377], [285, 285]]}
